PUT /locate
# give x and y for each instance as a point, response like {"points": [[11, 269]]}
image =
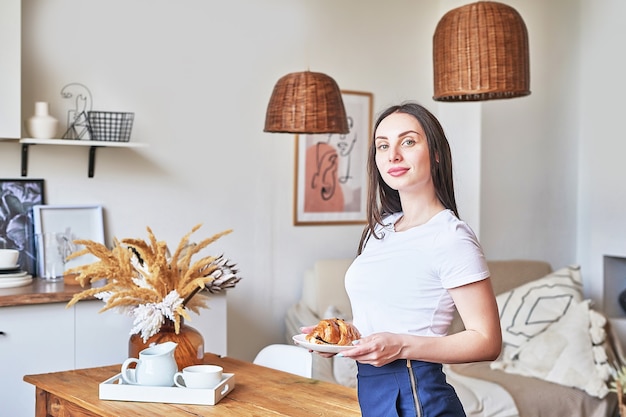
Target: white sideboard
{"points": [[44, 338]]}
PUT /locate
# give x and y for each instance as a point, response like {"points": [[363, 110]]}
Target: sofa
{"points": [[555, 363]]}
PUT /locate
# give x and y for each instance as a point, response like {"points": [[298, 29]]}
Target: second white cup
{"points": [[199, 376], [9, 258]]}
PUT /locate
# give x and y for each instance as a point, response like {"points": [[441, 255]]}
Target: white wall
{"points": [[602, 195], [198, 75], [530, 146], [515, 160], [10, 68], [551, 168]]}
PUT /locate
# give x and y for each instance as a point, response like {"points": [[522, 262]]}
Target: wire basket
{"points": [[110, 126]]}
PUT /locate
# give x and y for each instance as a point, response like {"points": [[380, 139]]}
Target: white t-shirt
{"points": [[399, 283]]}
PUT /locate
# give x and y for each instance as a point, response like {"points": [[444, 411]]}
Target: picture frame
{"points": [[17, 199], [69, 223], [331, 169]]}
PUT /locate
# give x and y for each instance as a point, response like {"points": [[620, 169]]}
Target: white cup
{"points": [[8, 258], [199, 376]]}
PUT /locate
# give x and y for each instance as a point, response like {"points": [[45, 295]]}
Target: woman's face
{"points": [[402, 156]]}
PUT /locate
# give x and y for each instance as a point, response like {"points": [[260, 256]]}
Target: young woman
{"points": [[417, 261]]}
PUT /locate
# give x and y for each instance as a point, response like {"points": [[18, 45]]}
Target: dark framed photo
{"points": [[17, 199]]}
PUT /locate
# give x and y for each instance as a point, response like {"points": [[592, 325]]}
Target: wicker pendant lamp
{"points": [[480, 52], [306, 102]]}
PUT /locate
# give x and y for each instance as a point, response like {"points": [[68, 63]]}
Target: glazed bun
{"points": [[333, 331]]}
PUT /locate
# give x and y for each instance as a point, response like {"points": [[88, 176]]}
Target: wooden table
{"points": [[258, 391]]}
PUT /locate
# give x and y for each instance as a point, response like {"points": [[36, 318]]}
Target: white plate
{"points": [[16, 282], [20, 274], [300, 340], [16, 279]]}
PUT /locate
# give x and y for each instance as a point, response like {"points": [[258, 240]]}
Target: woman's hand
{"points": [[306, 329], [309, 329], [377, 349]]}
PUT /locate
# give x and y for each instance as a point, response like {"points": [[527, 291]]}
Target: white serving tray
{"points": [[115, 389]]}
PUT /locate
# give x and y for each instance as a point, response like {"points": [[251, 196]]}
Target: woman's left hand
{"points": [[309, 329], [306, 329], [377, 349]]}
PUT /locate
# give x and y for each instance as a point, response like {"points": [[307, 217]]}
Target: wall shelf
{"points": [[92, 144]]}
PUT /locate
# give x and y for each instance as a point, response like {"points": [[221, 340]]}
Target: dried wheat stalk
{"points": [[140, 273]]}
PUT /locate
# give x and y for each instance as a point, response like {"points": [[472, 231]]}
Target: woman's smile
{"points": [[397, 171]]}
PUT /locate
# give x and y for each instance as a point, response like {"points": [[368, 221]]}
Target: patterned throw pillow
{"points": [[570, 352], [526, 311]]}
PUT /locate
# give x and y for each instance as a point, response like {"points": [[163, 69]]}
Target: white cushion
{"points": [[568, 352], [481, 398], [344, 371], [526, 311]]}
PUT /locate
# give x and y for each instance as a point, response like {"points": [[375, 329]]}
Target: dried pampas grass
{"points": [[144, 280]]}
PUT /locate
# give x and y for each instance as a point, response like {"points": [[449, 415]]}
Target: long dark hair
{"points": [[383, 200]]}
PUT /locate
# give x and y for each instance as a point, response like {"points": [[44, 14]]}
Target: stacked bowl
{"points": [[11, 274]]}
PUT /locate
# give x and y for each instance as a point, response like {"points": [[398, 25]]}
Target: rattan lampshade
{"points": [[480, 52], [306, 102]]}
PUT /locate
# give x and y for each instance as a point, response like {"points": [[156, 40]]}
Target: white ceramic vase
{"points": [[42, 125]]}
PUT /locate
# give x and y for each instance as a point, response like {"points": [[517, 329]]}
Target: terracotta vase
{"points": [[190, 349]]}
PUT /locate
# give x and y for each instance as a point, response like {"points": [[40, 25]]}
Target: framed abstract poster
{"points": [[331, 169], [17, 199]]}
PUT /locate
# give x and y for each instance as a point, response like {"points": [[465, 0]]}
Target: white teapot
{"points": [[156, 366]]}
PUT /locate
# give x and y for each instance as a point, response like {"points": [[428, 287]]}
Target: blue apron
{"points": [[399, 390]]}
